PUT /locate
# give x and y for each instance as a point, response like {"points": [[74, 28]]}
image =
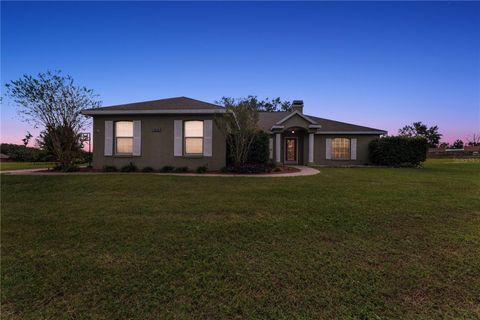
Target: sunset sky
{"points": [[382, 65]]}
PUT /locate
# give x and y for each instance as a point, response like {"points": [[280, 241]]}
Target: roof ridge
{"points": [[173, 102]]}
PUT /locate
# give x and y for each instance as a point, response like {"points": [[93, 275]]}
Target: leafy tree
{"points": [[240, 126], [418, 129], [53, 101], [444, 145], [458, 144], [266, 105], [68, 141], [27, 138]]}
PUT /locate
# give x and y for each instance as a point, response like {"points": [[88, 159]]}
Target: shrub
{"points": [[129, 167], [148, 169], [181, 169], [110, 169], [201, 169], [66, 168], [167, 169], [258, 152], [249, 168], [398, 151]]}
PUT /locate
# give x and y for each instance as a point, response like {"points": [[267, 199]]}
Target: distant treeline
{"points": [[18, 152]]}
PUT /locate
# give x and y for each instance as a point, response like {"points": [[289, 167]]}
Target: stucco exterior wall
{"points": [[362, 149], [296, 122], [157, 144], [320, 148]]}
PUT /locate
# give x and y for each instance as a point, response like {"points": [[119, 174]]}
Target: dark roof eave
{"points": [[95, 112]]}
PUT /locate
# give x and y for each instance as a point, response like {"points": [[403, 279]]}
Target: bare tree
{"points": [[54, 102], [475, 141]]}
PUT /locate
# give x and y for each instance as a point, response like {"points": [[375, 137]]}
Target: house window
{"points": [[193, 137], [340, 149], [124, 137]]}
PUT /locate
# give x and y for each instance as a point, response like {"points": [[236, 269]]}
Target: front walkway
{"points": [[304, 171], [24, 171]]}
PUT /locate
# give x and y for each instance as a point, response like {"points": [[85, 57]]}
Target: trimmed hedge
{"points": [[398, 151]]}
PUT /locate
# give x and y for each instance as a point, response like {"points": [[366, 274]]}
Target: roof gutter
{"points": [[352, 132], [146, 112]]}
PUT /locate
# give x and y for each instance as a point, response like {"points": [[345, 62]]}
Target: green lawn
{"points": [[351, 243], [4, 166]]}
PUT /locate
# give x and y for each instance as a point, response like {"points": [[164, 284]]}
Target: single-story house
{"points": [[183, 132]]}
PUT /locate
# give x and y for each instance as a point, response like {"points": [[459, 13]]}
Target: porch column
{"points": [[278, 138], [311, 144]]}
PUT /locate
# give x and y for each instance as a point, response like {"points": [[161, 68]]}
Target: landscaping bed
{"points": [[274, 171]]}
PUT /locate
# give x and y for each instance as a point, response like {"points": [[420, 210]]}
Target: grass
{"points": [[25, 165], [352, 243]]}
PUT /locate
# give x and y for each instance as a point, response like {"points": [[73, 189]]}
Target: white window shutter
{"points": [[207, 137], [137, 137], [353, 149], [178, 137], [108, 147], [328, 149], [270, 148]]}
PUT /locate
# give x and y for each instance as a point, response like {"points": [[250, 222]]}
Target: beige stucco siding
{"points": [[157, 144]]}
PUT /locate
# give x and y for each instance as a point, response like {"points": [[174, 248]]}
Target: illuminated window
{"points": [[194, 137], [124, 137], [340, 149]]}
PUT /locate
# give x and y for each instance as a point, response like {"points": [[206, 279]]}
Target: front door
{"points": [[291, 150]]}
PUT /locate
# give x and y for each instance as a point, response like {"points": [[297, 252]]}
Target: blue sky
{"points": [[377, 64]]}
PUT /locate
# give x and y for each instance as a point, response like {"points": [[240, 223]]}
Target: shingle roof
{"points": [[184, 104], [179, 103], [332, 125], [268, 119]]}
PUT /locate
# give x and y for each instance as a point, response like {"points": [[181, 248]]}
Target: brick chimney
{"points": [[297, 105]]}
